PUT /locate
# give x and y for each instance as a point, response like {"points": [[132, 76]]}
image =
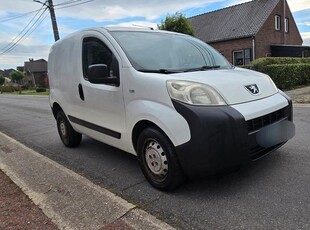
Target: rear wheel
{"points": [[158, 161], [68, 136]]}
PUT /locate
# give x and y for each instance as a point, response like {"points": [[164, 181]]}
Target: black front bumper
{"points": [[221, 138]]}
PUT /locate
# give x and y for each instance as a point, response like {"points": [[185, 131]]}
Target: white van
{"points": [[168, 98]]}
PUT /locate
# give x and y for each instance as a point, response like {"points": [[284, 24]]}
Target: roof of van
{"points": [[114, 28], [117, 28]]}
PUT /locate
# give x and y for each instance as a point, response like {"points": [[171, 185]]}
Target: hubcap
{"points": [[156, 159], [63, 129]]}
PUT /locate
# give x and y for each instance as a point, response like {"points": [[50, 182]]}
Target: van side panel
{"points": [[64, 68]]}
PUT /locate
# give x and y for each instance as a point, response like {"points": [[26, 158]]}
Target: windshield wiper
{"points": [[202, 68], [164, 71]]}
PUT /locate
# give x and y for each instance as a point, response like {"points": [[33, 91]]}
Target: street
{"points": [[272, 193]]}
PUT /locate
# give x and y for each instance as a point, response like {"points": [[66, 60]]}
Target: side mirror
{"points": [[99, 74]]}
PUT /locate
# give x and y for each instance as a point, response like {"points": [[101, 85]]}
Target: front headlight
{"points": [[194, 93]]}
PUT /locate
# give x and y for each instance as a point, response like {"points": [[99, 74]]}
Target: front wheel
{"points": [[68, 136], [158, 161]]}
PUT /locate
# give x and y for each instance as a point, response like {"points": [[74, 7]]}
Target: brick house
{"points": [[245, 32], [36, 72]]}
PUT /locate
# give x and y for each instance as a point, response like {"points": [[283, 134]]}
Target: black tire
{"points": [[68, 136], [158, 161]]}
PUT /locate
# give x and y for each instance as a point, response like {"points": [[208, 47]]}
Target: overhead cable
{"points": [[14, 39], [13, 17], [29, 31]]}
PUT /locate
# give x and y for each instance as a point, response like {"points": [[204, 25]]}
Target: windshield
{"points": [[168, 52]]}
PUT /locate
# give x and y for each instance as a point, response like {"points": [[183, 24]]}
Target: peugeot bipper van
{"points": [[168, 98]]}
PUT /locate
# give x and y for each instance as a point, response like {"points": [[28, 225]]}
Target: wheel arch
{"points": [[137, 129], [56, 108]]}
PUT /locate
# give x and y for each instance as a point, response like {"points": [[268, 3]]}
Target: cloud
{"points": [[303, 23], [298, 5], [306, 38], [106, 10], [21, 54]]}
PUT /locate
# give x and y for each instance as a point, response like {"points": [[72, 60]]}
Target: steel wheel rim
{"points": [[63, 128], [156, 159]]}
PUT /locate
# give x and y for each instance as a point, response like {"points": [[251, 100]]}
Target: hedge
{"points": [[40, 90], [287, 76], [286, 72], [9, 89], [261, 62]]}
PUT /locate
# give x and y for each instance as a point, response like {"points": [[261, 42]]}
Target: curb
{"points": [[305, 105], [68, 199]]}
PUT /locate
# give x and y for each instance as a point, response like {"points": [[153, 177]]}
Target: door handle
{"points": [[81, 92]]}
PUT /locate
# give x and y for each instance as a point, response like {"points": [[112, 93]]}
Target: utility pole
{"points": [[53, 19], [50, 6]]}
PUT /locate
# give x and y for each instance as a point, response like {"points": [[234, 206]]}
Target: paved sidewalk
{"points": [[17, 211], [68, 199], [301, 95]]}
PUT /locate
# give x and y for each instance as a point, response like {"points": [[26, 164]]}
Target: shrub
{"points": [[287, 76], [9, 88], [40, 90], [28, 86], [260, 63], [286, 72], [2, 80], [6, 89]]}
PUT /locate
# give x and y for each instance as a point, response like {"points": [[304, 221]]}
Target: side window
{"points": [[96, 52]]}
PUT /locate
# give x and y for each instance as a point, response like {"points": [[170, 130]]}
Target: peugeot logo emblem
{"points": [[253, 89]]}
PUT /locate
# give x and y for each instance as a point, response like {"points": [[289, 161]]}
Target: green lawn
{"points": [[28, 92]]}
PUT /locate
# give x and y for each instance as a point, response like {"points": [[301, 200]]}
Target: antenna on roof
{"points": [[151, 28]]}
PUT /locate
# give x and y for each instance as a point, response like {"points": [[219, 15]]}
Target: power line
{"points": [[22, 30], [9, 47], [30, 30], [9, 18], [26, 35], [77, 4], [68, 2]]}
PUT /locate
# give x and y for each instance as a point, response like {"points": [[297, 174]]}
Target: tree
{"points": [[17, 76], [2, 80], [177, 23]]}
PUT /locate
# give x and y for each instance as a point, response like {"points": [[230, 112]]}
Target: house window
{"points": [[286, 25], [278, 22], [242, 57]]}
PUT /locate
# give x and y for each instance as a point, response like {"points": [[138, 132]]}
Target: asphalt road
{"points": [[272, 193]]}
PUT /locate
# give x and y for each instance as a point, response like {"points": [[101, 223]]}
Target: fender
{"points": [[164, 116]]}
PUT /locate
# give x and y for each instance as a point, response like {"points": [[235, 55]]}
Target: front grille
{"points": [[260, 122]]}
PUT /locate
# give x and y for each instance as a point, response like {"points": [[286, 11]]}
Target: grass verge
{"points": [[28, 92]]}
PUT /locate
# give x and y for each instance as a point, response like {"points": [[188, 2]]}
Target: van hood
{"points": [[234, 85]]}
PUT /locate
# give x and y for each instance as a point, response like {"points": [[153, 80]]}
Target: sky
{"points": [[29, 30]]}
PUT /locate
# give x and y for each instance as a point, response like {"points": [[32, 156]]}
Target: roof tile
{"points": [[243, 20]]}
